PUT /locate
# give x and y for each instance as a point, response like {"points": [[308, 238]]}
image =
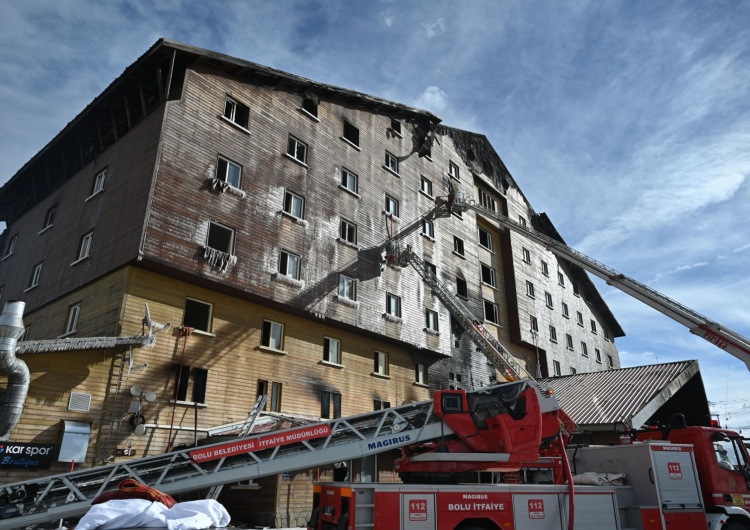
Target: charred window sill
{"points": [[355, 146], [309, 115]]}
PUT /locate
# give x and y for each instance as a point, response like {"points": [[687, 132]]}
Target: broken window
{"points": [[431, 320], [197, 315], [391, 162], [426, 186], [349, 180], [485, 239], [491, 313], [462, 288], [11, 246], [289, 264], [72, 322], [379, 404], [85, 246], [458, 246], [393, 305], [229, 172], [488, 275], [396, 127], [381, 364], [310, 106], [297, 149], [236, 112], [348, 232], [487, 201], [347, 287], [534, 324], [430, 269], [49, 218], [351, 133], [220, 238], [272, 335], [453, 170], [331, 350], [391, 206], [98, 185], [294, 204], [328, 398]]}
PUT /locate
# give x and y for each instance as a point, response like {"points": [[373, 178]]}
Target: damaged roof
{"points": [[633, 397]]}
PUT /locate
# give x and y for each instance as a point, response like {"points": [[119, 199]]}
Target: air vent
{"points": [[79, 402]]}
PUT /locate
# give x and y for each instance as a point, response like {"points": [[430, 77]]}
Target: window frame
{"points": [[391, 163], [584, 349], [530, 289], [329, 355], [488, 315], [428, 229], [462, 287], [526, 255], [396, 127], [459, 248], [36, 275], [97, 186], [49, 218], [481, 231], [310, 107], [493, 279], [391, 203], [293, 150], [190, 322], [347, 178], [381, 365], [569, 342], [74, 313], [533, 324], [487, 201], [579, 318], [270, 332], [453, 170], [291, 200], [548, 300], [552, 334], [545, 268], [421, 374], [84, 247], [556, 368], [560, 279], [598, 355], [347, 284], [347, 231], [11, 247], [227, 165], [350, 134], [593, 326], [426, 183], [221, 226], [233, 117], [393, 305], [565, 310], [285, 259], [432, 319]]}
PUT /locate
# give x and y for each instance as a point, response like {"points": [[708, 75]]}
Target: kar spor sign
{"points": [[256, 444]]}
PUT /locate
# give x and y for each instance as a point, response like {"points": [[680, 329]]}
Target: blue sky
{"points": [[627, 122]]}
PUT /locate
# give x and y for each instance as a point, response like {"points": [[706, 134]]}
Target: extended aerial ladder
{"points": [[721, 336], [67, 495]]}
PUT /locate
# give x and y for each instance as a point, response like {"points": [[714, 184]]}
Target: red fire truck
{"points": [[686, 478]]}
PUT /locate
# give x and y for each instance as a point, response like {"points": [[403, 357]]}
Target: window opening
{"points": [[393, 305], [73, 312], [349, 180], [491, 313], [391, 162], [347, 287], [485, 239], [426, 186], [310, 106], [351, 133], [294, 204], [488, 275], [297, 149], [197, 315], [229, 172], [236, 112], [331, 350], [431, 320], [220, 237], [289, 264], [420, 373], [462, 288], [348, 232], [453, 170], [458, 246], [391, 206], [85, 246], [99, 182], [381, 363], [428, 228], [272, 335]]}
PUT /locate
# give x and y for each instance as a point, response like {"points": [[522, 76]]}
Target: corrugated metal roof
{"points": [[630, 395]]}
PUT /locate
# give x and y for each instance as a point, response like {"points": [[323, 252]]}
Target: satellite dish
{"points": [[149, 396], [140, 429], [136, 391]]}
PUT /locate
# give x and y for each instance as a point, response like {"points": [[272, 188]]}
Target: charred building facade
{"points": [[255, 211]]}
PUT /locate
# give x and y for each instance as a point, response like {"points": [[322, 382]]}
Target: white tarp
{"points": [[139, 513]]}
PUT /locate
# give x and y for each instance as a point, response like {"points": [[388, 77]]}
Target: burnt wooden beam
{"points": [[127, 111], [64, 165], [99, 134], [143, 98], [114, 123], [160, 84], [46, 173], [80, 149], [169, 75]]}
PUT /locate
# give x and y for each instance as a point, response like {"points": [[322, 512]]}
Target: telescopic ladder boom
{"points": [[721, 336]]}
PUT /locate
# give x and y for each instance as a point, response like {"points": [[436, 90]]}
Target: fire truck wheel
{"points": [[734, 525]]}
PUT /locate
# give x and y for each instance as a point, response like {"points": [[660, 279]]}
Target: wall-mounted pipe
{"points": [[12, 400]]}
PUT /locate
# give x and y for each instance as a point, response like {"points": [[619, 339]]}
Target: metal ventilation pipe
{"points": [[12, 400]]}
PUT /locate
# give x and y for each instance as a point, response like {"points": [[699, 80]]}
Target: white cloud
{"points": [[434, 28], [432, 99]]}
